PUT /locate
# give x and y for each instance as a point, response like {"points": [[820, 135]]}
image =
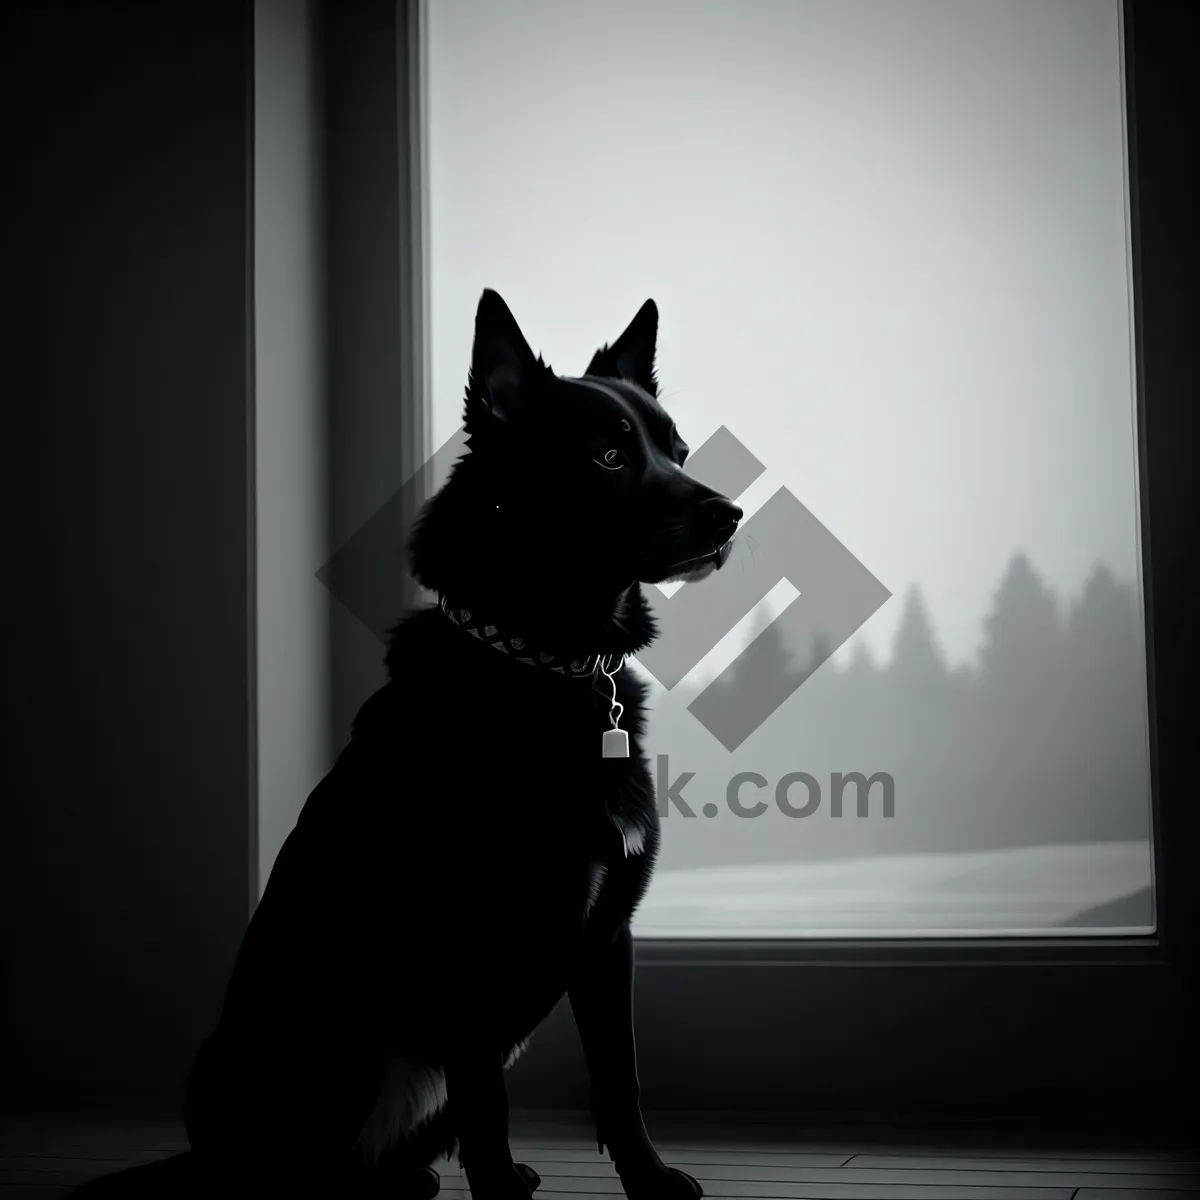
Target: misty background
{"points": [[890, 248]]}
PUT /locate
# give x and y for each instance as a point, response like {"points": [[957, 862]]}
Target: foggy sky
{"points": [[888, 242]]}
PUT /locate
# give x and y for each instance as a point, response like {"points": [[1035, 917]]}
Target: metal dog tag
{"points": [[616, 743]]}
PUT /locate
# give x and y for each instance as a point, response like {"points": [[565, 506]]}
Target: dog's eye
{"points": [[612, 459]]}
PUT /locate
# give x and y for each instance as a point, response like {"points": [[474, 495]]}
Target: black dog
{"points": [[480, 845]]}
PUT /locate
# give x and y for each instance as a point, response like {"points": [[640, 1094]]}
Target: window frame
{"points": [[1007, 1024]]}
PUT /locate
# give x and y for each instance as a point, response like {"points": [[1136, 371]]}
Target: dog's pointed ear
{"points": [[502, 365], [631, 356]]}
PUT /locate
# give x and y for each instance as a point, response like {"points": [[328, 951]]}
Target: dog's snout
{"points": [[722, 515]]}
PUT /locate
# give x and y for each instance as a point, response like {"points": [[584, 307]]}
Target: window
{"points": [[891, 248]]}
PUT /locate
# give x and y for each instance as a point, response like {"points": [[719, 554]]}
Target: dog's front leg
{"points": [[601, 995], [475, 1091]]}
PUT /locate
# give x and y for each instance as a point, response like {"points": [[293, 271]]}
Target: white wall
{"points": [[293, 618]]}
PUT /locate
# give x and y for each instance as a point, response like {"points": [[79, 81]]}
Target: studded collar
{"points": [[525, 651]]}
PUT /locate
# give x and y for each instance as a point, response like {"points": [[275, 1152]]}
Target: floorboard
{"points": [[46, 1156]]}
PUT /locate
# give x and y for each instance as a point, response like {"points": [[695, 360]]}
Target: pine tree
{"points": [[1024, 639], [917, 658], [1103, 623], [862, 665]]}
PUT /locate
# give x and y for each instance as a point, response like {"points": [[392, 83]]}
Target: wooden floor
{"points": [[45, 1157]]}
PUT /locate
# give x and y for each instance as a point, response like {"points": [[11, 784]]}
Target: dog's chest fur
{"points": [[516, 751], [534, 822]]}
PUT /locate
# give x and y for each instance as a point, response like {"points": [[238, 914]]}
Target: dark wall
{"points": [[126, 818], [126, 807]]}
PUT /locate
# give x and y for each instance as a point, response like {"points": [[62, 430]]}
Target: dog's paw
{"points": [[424, 1183], [532, 1179], [660, 1183], [513, 1183]]}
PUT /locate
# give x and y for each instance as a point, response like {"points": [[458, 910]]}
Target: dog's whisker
{"points": [[665, 537]]}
